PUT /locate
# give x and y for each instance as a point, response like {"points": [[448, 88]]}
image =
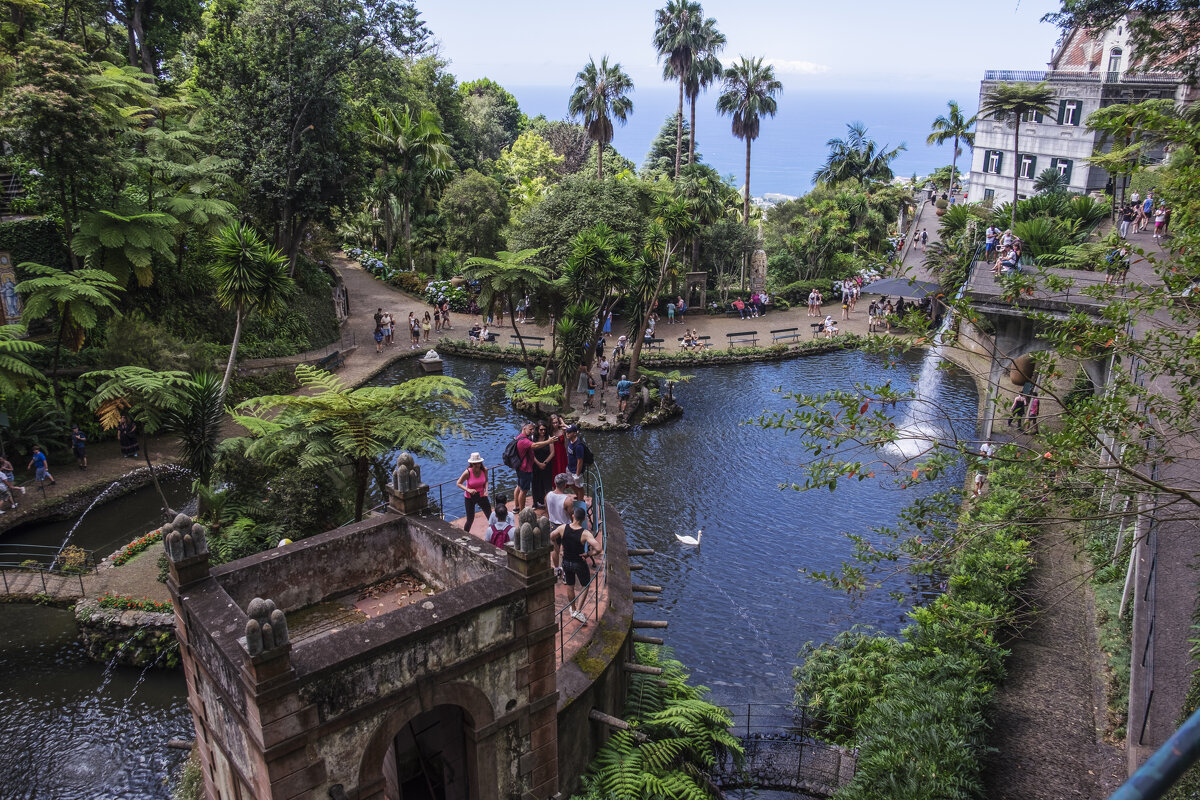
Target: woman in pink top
{"points": [[474, 483]]}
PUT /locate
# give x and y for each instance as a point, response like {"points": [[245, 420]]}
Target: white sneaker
{"points": [[579, 615], [22, 488]]}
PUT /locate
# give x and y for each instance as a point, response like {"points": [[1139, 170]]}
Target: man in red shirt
{"points": [[525, 446]]}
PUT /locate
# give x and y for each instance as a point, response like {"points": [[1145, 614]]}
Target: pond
{"points": [[738, 607]]}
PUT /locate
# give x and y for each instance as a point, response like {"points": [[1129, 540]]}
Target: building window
{"points": [[992, 160], [1114, 61], [1070, 112], [989, 195], [1031, 116], [1063, 165], [1028, 166]]}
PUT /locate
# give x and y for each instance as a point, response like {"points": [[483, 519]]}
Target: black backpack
{"points": [[588, 458], [512, 456]]}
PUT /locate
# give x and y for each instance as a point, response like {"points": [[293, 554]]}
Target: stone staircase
{"points": [[10, 190], [27, 584]]}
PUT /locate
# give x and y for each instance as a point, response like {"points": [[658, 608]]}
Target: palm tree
{"points": [[706, 68], [749, 94], [79, 297], [676, 38], [1011, 102], [197, 422], [505, 278], [952, 126], [415, 153], [600, 95], [857, 157], [251, 276], [333, 426]]}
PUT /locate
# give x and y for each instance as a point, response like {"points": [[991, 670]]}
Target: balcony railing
{"points": [[1037, 76]]}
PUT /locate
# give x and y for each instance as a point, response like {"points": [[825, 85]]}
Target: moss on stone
{"points": [[610, 640]]}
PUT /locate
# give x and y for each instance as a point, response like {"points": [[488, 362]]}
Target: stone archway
{"points": [[428, 748]]}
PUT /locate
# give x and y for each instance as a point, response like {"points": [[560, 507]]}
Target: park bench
{"points": [[817, 328], [530, 341], [654, 344], [785, 333], [704, 341], [742, 337], [332, 361]]}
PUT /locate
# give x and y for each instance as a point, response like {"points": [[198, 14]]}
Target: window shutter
{"points": [[1068, 164], [999, 162], [1078, 116], [1054, 163], [1062, 111], [1033, 166]]}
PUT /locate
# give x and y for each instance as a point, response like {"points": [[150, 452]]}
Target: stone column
{"points": [[530, 558]]}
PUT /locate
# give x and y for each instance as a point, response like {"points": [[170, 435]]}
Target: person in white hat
{"points": [[474, 483]]}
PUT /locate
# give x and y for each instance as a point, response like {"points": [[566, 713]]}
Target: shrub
{"points": [[919, 707], [798, 291], [459, 297], [126, 553], [411, 282], [123, 602], [73, 559]]}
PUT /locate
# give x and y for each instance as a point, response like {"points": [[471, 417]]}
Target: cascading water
{"points": [[921, 425], [79, 521]]}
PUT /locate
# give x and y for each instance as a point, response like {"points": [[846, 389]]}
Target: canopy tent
{"points": [[902, 287]]}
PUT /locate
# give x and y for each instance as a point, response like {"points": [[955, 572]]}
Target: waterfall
{"points": [[79, 521], [918, 427]]}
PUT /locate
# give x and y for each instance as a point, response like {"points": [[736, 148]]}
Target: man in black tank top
{"points": [[569, 542]]}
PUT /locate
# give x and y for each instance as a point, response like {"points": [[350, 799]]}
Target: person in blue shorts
{"points": [[40, 466]]}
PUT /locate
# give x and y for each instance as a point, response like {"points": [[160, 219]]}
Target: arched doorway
{"points": [[429, 758]]}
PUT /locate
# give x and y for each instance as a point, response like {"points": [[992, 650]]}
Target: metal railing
{"points": [[1037, 76], [593, 488], [41, 560]]}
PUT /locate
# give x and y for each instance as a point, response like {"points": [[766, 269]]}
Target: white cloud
{"points": [[797, 67]]}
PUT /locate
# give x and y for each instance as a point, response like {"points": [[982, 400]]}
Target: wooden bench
{"points": [[742, 337], [785, 333], [704, 342], [530, 341], [332, 361], [817, 328], [654, 344]]}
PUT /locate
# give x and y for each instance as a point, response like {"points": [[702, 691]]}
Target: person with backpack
{"points": [[474, 483], [570, 542], [518, 456], [579, 458], [501, 523]]}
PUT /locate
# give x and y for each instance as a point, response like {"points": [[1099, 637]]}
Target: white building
{"points": [[1086, 72]]}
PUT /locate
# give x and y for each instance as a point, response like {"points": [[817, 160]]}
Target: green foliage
{"points": [[34, 419], [15, 369], [677, 737], [918, 709], [134, 339], [78, 298], [660, 160], [858, 158], [124, 245], [197, 424], [37, 240], [474, 212], [335, 426], [458, 296], [573, 206], [601, 95]]}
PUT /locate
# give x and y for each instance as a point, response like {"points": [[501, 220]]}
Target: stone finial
{"points": [[184, 538], [406, 477], [533, 531], [267, 627]]}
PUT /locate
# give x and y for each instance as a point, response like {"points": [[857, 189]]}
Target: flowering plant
{"points": [[459, 297], [130, 550], [123, 602]]}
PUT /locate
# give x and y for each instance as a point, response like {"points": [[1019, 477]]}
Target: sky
{"points": [[866, 44]]}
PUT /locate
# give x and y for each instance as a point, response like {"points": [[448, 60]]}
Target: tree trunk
{"points": [[135, 23], [145, 445], [692, 132], [517, 331], [953, 166], [1016, 169], [406, 223], [746, 194], [237, 336], [599, 160], [62, 327], [636, 353], [679, 128]]}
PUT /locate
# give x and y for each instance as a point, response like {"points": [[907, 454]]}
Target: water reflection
{"points": [[739, 608], [70, 728]]}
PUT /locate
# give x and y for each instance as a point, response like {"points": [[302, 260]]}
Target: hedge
{"points": [[918, 708], [39, 240]]}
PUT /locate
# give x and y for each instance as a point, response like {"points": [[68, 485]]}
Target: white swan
{"points": [[692, 540]]}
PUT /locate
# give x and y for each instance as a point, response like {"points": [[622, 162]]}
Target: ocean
{"points": [[791, 145]]}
